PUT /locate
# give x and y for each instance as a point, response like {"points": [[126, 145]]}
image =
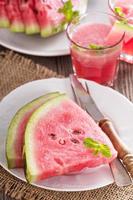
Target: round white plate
{"points": [[111, 103], [35, 45]]}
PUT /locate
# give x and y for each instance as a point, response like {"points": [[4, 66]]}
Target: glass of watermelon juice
{"points": [[94, 50], [123, 10]]}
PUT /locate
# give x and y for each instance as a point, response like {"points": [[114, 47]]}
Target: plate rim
{"points": [[50, 79], [50, 53]]}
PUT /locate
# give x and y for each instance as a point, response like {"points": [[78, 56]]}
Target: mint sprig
{"points": [[68, 12], [97, 147], [120, 13], [95, 46]]}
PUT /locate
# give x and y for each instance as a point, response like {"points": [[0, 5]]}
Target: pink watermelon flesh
{"points": [[49, 18], [4, 21], [29, 16], [15, 138], [14, 15], [115, 34], [54, 140]]}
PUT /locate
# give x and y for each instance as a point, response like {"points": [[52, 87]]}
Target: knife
{"points": [[119, 171]]}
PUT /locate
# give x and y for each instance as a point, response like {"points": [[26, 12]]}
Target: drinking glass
{"points": [[123, 11], [96, 64]]}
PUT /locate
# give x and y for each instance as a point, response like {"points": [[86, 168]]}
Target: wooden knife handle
{"points": [[123, 152]]}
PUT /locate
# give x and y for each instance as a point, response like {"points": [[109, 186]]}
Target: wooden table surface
{"points": [[62, 65]]}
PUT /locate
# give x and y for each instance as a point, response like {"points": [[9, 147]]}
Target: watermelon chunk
{"points": [[50, 20], [117, 31], [4, 21], [29, 16], [14, 14], [54, 140], [15, 137]]}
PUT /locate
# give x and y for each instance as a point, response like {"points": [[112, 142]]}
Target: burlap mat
{"points": [[15, 70]]}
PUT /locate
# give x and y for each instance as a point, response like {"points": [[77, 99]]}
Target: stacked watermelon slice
{"points": [[51, 136], [32, 16]]}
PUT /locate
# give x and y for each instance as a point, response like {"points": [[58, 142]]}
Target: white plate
{"points": [[35, 45], [111, 103]]}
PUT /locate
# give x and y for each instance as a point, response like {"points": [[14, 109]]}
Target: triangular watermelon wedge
{"points": [[117, 31], [27, 9], [50, 20], [16, 130], [14, 15], [54, 140]]}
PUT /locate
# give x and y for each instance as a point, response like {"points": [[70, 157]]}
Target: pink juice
{"points": [[97, 65]]}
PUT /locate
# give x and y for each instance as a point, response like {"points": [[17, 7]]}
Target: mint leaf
{"points": [[68, 12], [95, 46], [89, 142], [105, 150], [97, 147], [118, 11]]}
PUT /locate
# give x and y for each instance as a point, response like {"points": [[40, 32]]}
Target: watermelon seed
{"points": [[75, 141], [35, 11], [25, 1], [58, 161], [62, 142], [53, 136], [77, 132]]}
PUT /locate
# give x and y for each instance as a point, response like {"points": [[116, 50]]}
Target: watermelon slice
{"points": [[54, 140], [50, 20], [36, 16], [14, 15], [4, 21], [15, 137], [117, 31], [29, 16]]}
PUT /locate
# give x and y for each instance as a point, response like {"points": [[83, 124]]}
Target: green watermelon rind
{"points": [[124, 27], [4, 22], [10, 151], [17, 27], [32, 29], [52, 30], [30, 164]]}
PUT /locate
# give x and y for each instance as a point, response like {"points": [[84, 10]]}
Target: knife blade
{"points": [[84, 99]]}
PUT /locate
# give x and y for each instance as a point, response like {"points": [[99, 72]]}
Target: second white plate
{"points": [[35, 45]]}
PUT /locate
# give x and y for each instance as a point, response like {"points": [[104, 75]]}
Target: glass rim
{"points": [[111, 8], [115, 14], [87, 48]]}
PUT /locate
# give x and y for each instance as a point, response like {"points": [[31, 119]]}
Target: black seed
{"points": [[62, 142], [25, 1], [53, 136], [58, 161], [35, 11], [75, 141], [77, 132]]}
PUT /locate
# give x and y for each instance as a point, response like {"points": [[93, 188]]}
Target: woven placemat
{"points": [[16, 70]]}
